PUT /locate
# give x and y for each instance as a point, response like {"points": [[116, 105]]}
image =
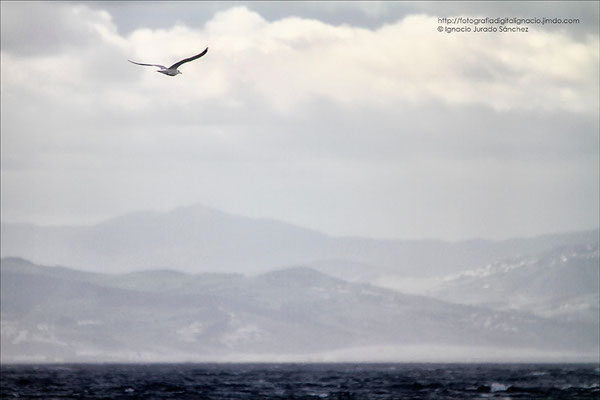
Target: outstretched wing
{"points": [[177, 64], [149, 65]]}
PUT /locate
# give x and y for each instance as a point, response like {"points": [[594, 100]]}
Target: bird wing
{"points": [[177, 64], [149, 65]]}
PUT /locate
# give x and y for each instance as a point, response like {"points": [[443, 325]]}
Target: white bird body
{"points": [[172, 70]]}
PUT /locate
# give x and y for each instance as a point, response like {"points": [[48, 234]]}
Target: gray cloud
{"points": [[38, 29], [130, 16]]}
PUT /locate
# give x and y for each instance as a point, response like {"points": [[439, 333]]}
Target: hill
{"points": [[52, 314]]}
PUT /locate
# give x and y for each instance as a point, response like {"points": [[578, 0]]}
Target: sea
{"points": [[300, 381]]}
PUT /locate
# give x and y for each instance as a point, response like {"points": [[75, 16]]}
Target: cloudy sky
{"points": [[355, 118]]}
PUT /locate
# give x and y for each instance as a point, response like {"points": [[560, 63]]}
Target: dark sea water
{"points": [[300, 381]]}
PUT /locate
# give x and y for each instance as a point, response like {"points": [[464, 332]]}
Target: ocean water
{"points": [[299, 381]]}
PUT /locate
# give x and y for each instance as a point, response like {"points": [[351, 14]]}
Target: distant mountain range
{"points": [[199, 239], [296, 314], [197, 284]]}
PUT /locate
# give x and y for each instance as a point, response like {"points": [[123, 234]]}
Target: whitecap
{"points": [[539, 373], [498, 387]]}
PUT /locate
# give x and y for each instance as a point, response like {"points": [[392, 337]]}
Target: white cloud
{"points": [[288, 61]]}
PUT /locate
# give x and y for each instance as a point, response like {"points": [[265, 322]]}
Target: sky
{"points": [[351, 118]]}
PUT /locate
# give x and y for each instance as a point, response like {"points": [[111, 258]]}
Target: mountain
{"points": [[563, 282], [299, 314], [199, 239]]}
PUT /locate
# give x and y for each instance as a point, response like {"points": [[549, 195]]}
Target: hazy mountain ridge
{"points": [[169, 286], [199, 239], [57, 314], [563, 282]]}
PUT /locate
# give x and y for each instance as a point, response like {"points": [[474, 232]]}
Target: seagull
{"points": [[172, 70]]}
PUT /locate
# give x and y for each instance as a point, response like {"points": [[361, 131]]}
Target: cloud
{"points": [[292, 60], [34, 29], [299, 119]]}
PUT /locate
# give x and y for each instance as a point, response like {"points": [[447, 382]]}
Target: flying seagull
{"points": [[172, 70]]}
